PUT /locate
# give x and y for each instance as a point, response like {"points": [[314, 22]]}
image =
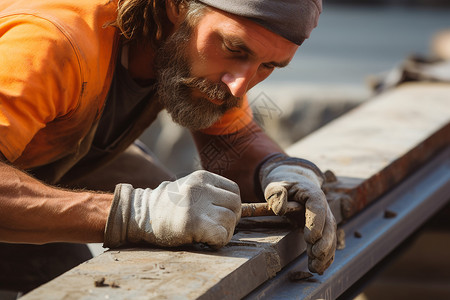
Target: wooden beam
{"points": [[370, 149], [192, 272], [375, 146]]}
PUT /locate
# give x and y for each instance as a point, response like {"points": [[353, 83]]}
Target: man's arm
{"points": [[237, 156], [33, 212]]}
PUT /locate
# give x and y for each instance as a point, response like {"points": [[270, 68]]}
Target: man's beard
{"points": [[175, 85]]}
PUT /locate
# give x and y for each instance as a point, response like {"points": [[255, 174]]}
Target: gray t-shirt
{"points": [[124, 101]]}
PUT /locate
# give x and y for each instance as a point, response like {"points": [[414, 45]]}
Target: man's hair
{"points": [[147, 19]]}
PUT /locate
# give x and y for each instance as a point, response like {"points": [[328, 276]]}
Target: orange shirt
{"points": [[57, 58], [56, 64]]}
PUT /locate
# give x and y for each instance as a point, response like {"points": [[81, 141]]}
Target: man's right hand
{"points": [[202, 207], [298, 180]]}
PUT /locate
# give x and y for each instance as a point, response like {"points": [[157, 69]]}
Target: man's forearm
{"points": [[237, 156], [32, 212]]}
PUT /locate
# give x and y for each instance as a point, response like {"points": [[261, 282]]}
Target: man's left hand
{"points": [[300, 181]]}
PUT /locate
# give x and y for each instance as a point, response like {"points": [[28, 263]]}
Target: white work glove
{"points": [[286, 178], [202, 207]]}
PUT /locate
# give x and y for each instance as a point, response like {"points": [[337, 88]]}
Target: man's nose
{"points": [[238, 81]]}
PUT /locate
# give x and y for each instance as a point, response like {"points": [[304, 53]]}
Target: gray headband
{"points": [[292, 19]]}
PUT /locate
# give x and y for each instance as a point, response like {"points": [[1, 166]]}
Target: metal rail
{"points": [[370, 235]]}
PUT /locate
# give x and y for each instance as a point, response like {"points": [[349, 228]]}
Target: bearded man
{"points": [[82, 79]]}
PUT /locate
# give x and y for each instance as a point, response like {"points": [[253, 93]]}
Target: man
{"points": [[81, 80]]}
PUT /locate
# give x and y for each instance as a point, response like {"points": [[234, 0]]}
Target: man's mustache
{"points": [[213, 90]]}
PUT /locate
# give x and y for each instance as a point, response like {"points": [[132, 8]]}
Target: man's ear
{"points": [[175, 12]]}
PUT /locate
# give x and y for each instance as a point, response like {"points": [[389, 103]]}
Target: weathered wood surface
{"points": [[369, 149], [145, 273], [373, 147]]}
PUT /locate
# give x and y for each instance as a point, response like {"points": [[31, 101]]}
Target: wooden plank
{"points": [[370, 149], [192, 272], [375, 146]]}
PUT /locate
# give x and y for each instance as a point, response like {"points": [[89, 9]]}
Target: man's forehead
{"points": [[291, 19]]}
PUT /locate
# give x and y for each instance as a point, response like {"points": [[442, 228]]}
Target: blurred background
{"points": [[355, 44], [354, 41]]}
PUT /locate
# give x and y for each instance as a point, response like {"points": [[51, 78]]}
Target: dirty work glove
{"points": [[286, 178], [202, 207]]}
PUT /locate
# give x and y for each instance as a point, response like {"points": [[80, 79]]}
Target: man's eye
{"points": [[231, 49]]}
